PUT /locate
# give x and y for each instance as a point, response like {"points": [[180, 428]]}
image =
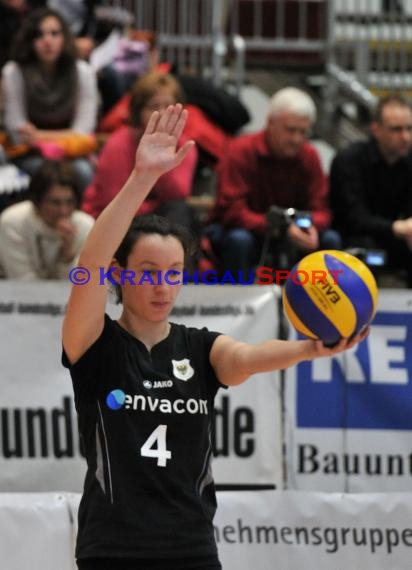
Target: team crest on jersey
{"points": [[182, 369]]}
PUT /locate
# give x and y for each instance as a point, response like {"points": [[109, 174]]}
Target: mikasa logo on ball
{"points": [[182, 369]]}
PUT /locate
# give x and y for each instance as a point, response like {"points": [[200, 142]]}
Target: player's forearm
{"points": [[269, 355], [277, 354]]}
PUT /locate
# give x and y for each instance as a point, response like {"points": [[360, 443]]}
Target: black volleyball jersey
{"points": [[145, 421]]}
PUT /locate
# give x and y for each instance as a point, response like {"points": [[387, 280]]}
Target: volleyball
{"points": [[330, 295]]}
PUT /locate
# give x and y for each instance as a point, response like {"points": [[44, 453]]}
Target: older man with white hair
{"points": [[265, 180]]}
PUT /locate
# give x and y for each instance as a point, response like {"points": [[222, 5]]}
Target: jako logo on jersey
{"points": [[182, 369], [368, 387], [115, 399], [148, 384]]}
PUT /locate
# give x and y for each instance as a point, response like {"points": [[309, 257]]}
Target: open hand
{"points": [[157, 151]]}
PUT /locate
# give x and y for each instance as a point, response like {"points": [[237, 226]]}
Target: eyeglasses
{"points": [[57, 202]]}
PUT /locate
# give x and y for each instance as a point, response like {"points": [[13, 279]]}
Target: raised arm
{"points": [[156, 154]]}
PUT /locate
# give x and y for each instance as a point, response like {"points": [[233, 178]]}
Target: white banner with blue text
{"points": [[348, 419], [39, 444]]}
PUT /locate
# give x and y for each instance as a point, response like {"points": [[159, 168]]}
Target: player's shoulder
{"points": [[193, 334], [184, 330]]}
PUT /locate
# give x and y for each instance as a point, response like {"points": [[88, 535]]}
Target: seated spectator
{"points": [[273, 167], [41, 238], [92, 24], [155, 91], [12, 14], [50, 97], [371, 186], [79, 16], [211, 140]]}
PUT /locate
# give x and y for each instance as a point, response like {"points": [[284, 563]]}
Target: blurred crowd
{"points": [[78, 86]]}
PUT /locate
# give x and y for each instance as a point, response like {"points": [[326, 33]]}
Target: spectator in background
{"points": [[273, 167], [91, 24], [41, 238], [155, 91], [12, 15], [80, 17], [371, 186], [50, 97]]}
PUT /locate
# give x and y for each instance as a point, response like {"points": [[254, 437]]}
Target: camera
{"points": [[372, 257], [303, 220], [283, 217]]}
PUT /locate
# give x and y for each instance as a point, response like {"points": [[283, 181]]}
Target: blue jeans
{"points": [[239, 249], [330, 239]]}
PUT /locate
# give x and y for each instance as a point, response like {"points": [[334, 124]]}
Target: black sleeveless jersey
{"points": [[145, 420]]}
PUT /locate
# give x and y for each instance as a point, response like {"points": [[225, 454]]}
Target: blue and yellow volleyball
{"points": [[330, 295]]}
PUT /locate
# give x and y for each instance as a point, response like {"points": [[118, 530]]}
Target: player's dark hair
{"points": [[153, 224]]}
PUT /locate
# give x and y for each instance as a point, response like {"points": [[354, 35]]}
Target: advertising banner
{"points": [[39, 444], [315, 531], [349, 418], [36, 532], [253, 529]]}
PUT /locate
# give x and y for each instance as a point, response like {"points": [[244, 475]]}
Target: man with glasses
{"points": [[371, 186], [41, 238]]}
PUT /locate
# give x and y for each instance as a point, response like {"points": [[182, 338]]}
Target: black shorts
{"points": [[209, 563]]}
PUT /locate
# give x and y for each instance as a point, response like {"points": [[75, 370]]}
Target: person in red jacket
{"points": [[153, 92], [260, 178]]}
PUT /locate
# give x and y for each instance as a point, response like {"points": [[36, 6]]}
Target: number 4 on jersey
{"points": [[155, 446]]}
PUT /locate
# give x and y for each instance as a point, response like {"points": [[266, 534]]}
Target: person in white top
{"points": [[48, 92], [41, 238]]}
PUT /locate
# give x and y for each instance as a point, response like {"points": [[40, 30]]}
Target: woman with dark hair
{"points": [[50, 96], [154, 91], [149, 498], [40, 238], [12, 15]]}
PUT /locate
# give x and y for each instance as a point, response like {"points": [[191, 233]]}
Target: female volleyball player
{"points": [[144, 388]]}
